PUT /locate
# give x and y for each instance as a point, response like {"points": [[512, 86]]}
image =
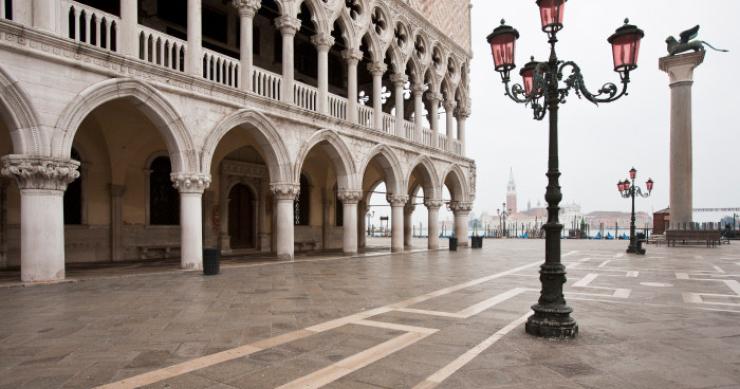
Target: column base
{"points": [[552, 322]]}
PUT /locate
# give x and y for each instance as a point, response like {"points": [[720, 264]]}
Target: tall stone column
{"points": [[23, 12], [398, 202], [377, 69], [399, 82], [116, 221], [288, 27], [285, 195], [350, 199], [323, 43], [418, 92], [434, 99], [450, 106], [3, 223], [680, 69], [463, 113], [433, 207], [195, 39], [408, 225], [128, 43], [247, 10], [362, 224], [42, 182], [191, 187], [45, 15], [461, 210], [353, 57]]}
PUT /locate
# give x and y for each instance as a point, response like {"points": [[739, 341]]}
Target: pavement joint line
{"points": [[442, 374], [474, 309], [585, 282], [224, 356]]}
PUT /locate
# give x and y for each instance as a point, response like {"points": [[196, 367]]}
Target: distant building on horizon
{"points": [[511, 193]]}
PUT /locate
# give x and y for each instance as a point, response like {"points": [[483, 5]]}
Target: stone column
{"points": [[434, 99], [285, 195], [45, 15], [463, 113], [461, 210], [223, 209], [128, 42], [195, 39], [323, 43], [42, 182], [398, 202], [116, 221], [418, 91], [288, 27], [247, 10], [408, 225], [450, 106], [350, 199], [377, 69], [680, 69], [3, 223], [433, 207], [353, 58], [191, 187], [362, 224], [22, 12], [399, 82]]}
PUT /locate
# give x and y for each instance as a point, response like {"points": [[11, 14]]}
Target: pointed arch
{"points": [[20, 116], [454, 179], [337, 150], [267, 137], [391, 167], [148, 100], [429, 174]]}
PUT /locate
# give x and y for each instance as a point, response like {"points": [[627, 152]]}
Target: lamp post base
{"points": [[552, 322], [635, 250]]}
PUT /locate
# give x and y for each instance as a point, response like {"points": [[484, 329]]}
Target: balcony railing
{"points": [[220, 68], [161, 49], [94, 27], [88, 25]]}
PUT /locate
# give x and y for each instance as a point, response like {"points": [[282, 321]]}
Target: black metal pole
{"points": [[551, 316], [633, 243]]}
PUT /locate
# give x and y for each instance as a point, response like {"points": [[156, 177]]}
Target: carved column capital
{"points": [[399, 79], [288, 25], [418, 90], [190, 182], [461, 207], [377, 68], [409, 208], [247, 8], [349, 196], [285, 191], [434, 97], [40, 172], [450, 105], [323, 41], [397, 200], [433, 204], [463, 111], [352, 55]]}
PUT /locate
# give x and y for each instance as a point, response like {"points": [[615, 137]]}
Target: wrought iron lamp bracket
{"points": [[608, 93]]}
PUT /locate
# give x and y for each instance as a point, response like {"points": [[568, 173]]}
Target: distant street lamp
{"points": [[543, 92], [503, 213], [629, 190], [370, 215]]}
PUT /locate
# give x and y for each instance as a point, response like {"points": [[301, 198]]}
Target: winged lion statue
{"points": [[687, 44]]}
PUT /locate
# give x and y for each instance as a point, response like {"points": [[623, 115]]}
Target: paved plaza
{"points": [[415, 320]]}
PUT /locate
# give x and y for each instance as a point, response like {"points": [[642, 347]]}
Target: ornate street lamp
{"points": [[545, 86], [629, 190], [503, 213]]}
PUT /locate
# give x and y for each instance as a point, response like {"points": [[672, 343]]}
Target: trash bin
{"points": [[211, 264], [477, 242], [453, 244]]}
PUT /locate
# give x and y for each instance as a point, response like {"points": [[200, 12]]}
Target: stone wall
{"points": [[450, 16]]}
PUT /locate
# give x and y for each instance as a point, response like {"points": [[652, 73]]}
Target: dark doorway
{"points": [[73, 198], [241, 217]]}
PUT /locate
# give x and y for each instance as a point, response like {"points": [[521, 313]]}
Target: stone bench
{"points": [[305, 246], [165, 250], [710, 238]]}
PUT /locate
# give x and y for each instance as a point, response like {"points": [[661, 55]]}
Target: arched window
{"points": [[303, 204], [73, 197], [338, 209], [164, 201]]}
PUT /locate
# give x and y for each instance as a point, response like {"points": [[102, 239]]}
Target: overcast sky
{"points": [[598, 145]]}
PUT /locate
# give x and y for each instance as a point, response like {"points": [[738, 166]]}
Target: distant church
{"points": [[511, 193]]}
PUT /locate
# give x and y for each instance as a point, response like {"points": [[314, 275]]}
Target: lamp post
{"points": [[370, 216], [545, 87], [503, 213], [628, 189]]}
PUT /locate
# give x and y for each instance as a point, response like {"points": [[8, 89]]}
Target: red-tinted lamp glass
{"points": [[527, 74], [649, 185], [551, 14], [620, 186], [633, 173], [626, 47], [626, 185], [503, 47]]}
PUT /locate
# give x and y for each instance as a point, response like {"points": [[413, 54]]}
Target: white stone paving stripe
{"points": [[445, 372]]}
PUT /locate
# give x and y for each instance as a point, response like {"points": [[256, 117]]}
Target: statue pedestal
{"points": [[680, 69]]}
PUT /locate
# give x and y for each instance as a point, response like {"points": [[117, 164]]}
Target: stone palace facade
{"points": [[137, 129]]}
